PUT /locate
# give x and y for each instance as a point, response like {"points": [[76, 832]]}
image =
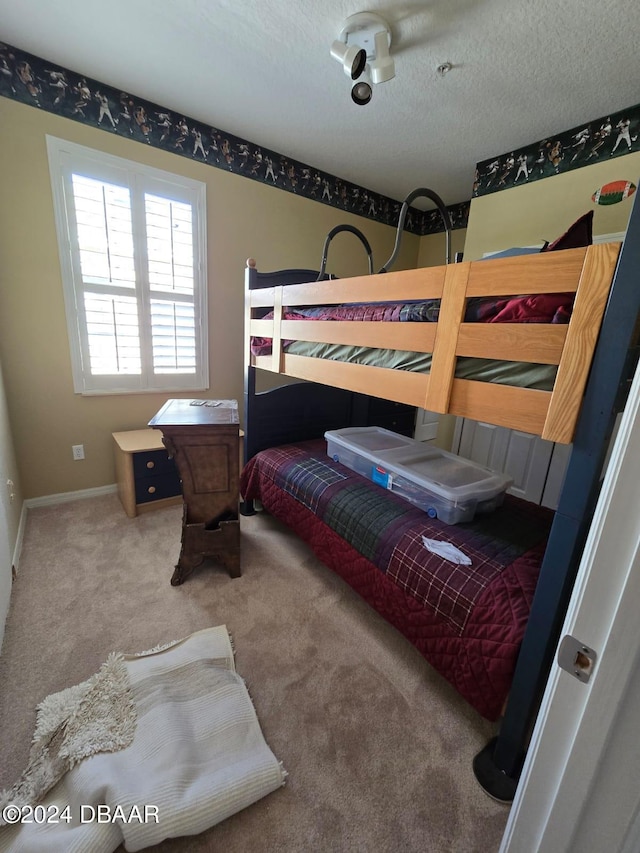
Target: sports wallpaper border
{"points": [[604, 138], [45, 85]]}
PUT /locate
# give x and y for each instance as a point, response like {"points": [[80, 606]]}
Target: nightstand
{"points": [[147, 477], [203, 437]]}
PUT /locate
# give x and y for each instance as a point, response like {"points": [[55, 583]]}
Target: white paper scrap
{"points": [[447, 551]]}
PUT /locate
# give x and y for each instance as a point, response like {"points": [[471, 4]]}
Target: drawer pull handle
{"points": [[151, 464], [151, 490]]}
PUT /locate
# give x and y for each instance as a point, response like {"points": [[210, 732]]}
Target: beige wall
{"points": [[532, 213], [433, 247], [543, 210], [245, 218]]}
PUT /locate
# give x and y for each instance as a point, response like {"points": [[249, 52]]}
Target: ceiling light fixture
{"points": [[382, 66], [361, 93], [353, 58], [363, 45]]}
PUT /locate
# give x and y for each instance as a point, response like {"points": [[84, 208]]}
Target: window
{"points": [[132, 247]]}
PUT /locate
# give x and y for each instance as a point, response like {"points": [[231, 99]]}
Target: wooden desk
{"points": [[204, 442]]}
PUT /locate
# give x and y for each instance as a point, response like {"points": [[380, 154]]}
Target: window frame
{"points": [[67, 157]]}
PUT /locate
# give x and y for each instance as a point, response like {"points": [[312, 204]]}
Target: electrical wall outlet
{"points": [[78, 451]]}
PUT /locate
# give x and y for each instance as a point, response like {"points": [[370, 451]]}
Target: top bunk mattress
{"points": [[541, 308]]}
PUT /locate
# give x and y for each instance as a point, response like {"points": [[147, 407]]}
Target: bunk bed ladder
{"points": [[498, 766]]}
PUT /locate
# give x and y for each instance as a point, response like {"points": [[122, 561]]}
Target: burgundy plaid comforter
{"points": [[467, 621], [539, 308]]}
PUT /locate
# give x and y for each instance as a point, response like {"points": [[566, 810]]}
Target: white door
{"points": [[580, 787], [537, 470], [426, 425]]}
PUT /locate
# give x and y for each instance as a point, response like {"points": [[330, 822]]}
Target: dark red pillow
{"points": [[578, 235]]}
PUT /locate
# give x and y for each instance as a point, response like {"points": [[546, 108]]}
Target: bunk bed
{"points": [[574, 381]]}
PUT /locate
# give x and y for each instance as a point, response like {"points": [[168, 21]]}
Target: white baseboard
{"points": [[65, 497], [20, 537], [616, 237]]}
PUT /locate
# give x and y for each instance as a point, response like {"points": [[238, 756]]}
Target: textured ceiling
{"points": [[261, 69]]}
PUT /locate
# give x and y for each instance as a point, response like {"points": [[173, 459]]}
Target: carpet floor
{"points": [[378, 747]]}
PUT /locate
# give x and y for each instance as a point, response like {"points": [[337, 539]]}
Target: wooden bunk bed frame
{"points": [[551, 414], [594, 355]]}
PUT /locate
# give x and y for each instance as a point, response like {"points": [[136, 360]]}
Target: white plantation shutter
{"points": [[132, 247], [169, 228], [173, 337], [113, 334]]}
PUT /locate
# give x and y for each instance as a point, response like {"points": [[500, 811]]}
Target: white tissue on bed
{"points": [[447, 551]]}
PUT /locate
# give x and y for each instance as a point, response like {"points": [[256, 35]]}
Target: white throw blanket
{"points": [[197, 756]]}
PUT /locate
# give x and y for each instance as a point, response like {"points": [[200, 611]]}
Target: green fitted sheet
{"points": [[520, 374]]}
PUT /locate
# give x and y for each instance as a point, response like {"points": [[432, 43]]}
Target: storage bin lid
{"points": [[370, 439], [450, 472], [452, 477]]}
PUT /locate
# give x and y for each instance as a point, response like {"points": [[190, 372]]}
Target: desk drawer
{"points": [[152, 462], [157, 486]]}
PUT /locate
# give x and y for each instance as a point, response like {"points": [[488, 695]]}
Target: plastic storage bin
{"points": [[442, 484]]}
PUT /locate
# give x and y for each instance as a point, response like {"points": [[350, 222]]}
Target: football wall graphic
{"points": [[602, 139], [613, 192]]}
